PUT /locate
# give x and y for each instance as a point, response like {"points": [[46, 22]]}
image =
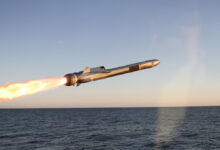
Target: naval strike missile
{"points": [[97, 73]]}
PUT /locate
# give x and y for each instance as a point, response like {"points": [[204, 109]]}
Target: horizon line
{"points": [[110, 107]]}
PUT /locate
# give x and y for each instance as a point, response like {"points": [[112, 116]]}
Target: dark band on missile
{"points": [[134, 68]]}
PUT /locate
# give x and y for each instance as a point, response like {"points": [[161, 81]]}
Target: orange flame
{"points": [[15, 90]]}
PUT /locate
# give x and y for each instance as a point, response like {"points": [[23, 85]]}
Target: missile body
{"points": [[92, 74]]}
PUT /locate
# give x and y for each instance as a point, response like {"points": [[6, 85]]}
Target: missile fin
{"points": [[86, 70]]}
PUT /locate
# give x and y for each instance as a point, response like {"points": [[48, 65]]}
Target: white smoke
{"points": [[178, 88]]}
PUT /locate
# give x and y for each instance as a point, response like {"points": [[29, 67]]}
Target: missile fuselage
{"points": [[93, 74]]}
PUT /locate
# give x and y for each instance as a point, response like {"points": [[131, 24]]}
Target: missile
{"points": [[97, 73]]}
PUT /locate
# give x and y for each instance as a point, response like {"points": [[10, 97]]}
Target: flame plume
{"points": [[15, 90]]}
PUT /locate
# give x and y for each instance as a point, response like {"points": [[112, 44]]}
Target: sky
{"points": [[50, 38]]}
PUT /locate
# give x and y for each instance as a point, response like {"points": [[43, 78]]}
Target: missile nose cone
{"points": [[156, 62]]}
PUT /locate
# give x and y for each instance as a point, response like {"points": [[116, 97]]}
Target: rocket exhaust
{"points": [[15, 90]]}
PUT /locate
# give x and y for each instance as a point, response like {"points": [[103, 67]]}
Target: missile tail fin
{"points": [[86, 70]]}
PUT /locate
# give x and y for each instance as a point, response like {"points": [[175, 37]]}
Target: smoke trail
{"points": [[177, 92], [15, 90]]}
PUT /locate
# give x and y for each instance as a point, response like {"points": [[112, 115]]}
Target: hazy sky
{"points": [[48, 38]]}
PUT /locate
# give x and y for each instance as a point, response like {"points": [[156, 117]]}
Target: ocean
{"points": [[110, 128]]}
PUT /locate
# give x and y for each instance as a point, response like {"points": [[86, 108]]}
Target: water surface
{"points": [[111, 128]]}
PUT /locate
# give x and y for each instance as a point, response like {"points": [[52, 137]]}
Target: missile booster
{"points": [[97, 73]]}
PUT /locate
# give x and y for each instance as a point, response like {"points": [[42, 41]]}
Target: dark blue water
{"points": [[111, 128]]}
